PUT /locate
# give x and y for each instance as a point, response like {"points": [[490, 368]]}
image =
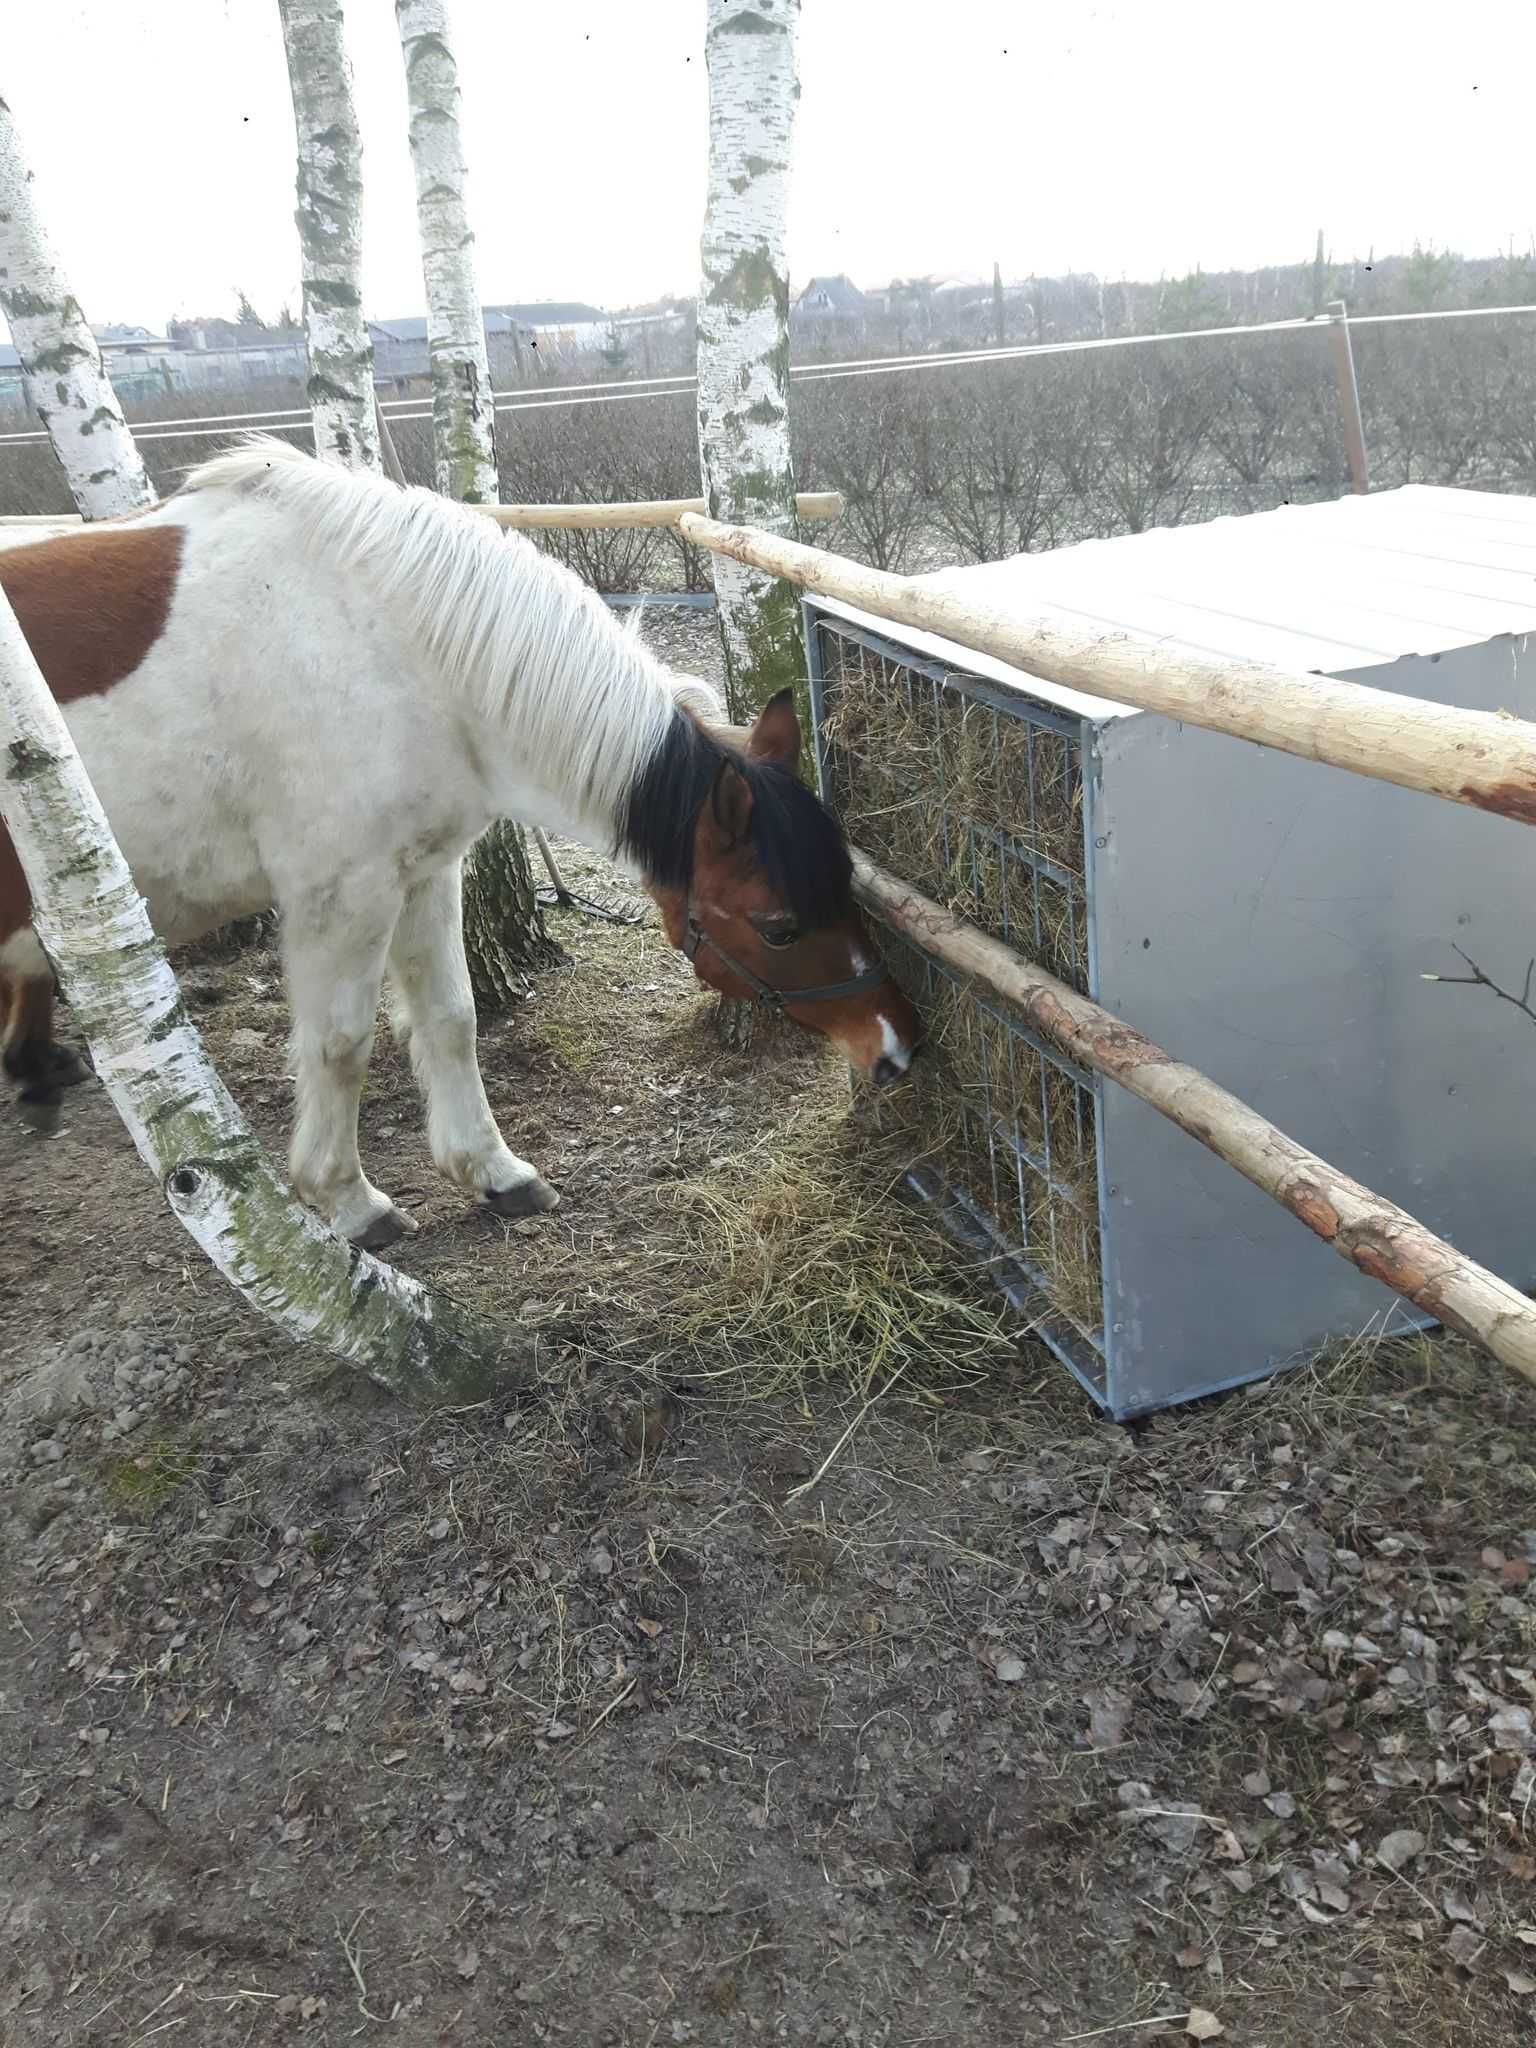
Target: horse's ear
{"points": [[776, 735], [724, 820]]}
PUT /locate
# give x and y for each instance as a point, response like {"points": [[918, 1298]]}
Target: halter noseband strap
{"points": [[764, 992]]}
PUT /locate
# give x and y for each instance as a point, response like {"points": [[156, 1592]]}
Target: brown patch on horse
{"points": [[15, 896], [92, 604]]}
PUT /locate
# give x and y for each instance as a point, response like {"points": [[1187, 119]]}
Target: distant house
{"points": [[137, 361], [567, 323], [214, 355], [548, 329], [830, 305]]}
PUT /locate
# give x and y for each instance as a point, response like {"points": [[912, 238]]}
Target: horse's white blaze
{"points": [[893, 1045]]}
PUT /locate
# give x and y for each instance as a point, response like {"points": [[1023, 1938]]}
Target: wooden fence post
{"points": [[1349, 396]]}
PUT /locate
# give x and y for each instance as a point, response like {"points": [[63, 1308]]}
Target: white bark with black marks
{"points": [[743, 334], [66, 383], [504, 932], [329, 217], [94, 927], [462, 410]]}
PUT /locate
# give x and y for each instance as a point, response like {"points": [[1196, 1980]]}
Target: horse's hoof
{"points": [[40, 1113], [66, 1069], [529, 1198], [386, 1230]]}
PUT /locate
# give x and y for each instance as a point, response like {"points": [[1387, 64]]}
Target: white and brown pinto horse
{"points": [[298, 686]]}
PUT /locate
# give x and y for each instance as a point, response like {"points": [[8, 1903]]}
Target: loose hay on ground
{"points": [[798, 1265]]}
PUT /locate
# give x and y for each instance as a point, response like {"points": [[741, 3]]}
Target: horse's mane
{"points": [[539, 654], [507, 627]]}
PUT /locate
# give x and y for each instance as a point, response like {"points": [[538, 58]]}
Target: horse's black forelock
{"points": [[798, 845]]}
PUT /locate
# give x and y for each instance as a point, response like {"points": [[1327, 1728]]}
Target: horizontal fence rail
{"points": [[639, 512], [1468, 757], [1369, 1232], [810, 506]]}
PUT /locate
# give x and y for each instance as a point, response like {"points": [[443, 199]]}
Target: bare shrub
{"points": [[1006, 434], [1147, 416], [867, 437], [1274, 432]]}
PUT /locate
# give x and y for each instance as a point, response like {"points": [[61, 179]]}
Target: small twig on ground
{"points": [[617, 1701], [1157, 2019], [1477, 979], [351, 1948], [807, 1485]]}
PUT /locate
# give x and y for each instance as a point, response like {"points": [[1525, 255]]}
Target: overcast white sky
{"points": [[1135, 136]]}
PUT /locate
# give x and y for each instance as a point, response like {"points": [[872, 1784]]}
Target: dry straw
{"points": [[983, 812]]}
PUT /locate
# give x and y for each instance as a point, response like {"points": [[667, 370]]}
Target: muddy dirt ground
{"points": [[613, 1718]]}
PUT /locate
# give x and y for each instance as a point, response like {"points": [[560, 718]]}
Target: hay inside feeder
{"points": [[983, 811]]}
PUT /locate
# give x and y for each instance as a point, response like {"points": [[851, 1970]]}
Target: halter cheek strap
{"points": [[764, 992]]}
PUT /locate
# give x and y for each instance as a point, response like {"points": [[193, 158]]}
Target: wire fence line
{"points": [[1001, 455], [534, 398]]}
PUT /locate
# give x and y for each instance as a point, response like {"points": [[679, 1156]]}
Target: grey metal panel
{"points": [[1269, 920]]}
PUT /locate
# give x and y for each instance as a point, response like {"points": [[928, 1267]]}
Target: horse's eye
{"points": [[779, 935]]}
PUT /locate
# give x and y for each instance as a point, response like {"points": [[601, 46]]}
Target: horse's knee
{"points": [[448, 1034]]}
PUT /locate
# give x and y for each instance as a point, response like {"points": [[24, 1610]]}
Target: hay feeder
{"points": [[1270, 920]]}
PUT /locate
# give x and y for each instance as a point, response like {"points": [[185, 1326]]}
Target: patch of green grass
{"points": [[570, 1040], [139, 1482]]}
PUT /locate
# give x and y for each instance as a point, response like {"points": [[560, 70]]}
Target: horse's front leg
{"points": [[434, 1009], [333, 954]]}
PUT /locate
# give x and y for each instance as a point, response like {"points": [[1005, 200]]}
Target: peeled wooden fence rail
{"points": [[1470, 757], [809, 506], [1383, 1241]]}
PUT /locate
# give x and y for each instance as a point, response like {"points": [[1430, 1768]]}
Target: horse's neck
{"points": [[563, 739]]}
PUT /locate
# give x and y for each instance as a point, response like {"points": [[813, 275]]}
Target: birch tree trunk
{"points": [[189, 1132], [743, 356], [504, 936], [463, 430], [329, 219], [66, 383], [743, 337]]}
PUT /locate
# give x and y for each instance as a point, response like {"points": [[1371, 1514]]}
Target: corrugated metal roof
{"points": [[1348, 585]]}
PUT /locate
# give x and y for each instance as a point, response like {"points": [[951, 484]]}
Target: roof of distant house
{"points": [[501, 319], [551, 313], [839, 294]]}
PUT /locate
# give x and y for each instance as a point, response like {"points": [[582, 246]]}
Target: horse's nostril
{"points": [[886, 1071]]}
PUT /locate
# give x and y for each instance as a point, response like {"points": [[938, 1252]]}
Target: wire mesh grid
{"points": [[976, 797]]}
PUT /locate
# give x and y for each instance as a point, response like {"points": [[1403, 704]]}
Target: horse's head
{"points": [[766, 911]]}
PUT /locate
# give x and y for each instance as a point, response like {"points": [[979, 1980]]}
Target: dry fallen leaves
{"points": [[1108, 1714], [1202, 2025], [1399, 1849]]}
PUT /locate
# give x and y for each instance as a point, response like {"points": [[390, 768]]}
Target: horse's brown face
{"points": [[750, 934]]}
